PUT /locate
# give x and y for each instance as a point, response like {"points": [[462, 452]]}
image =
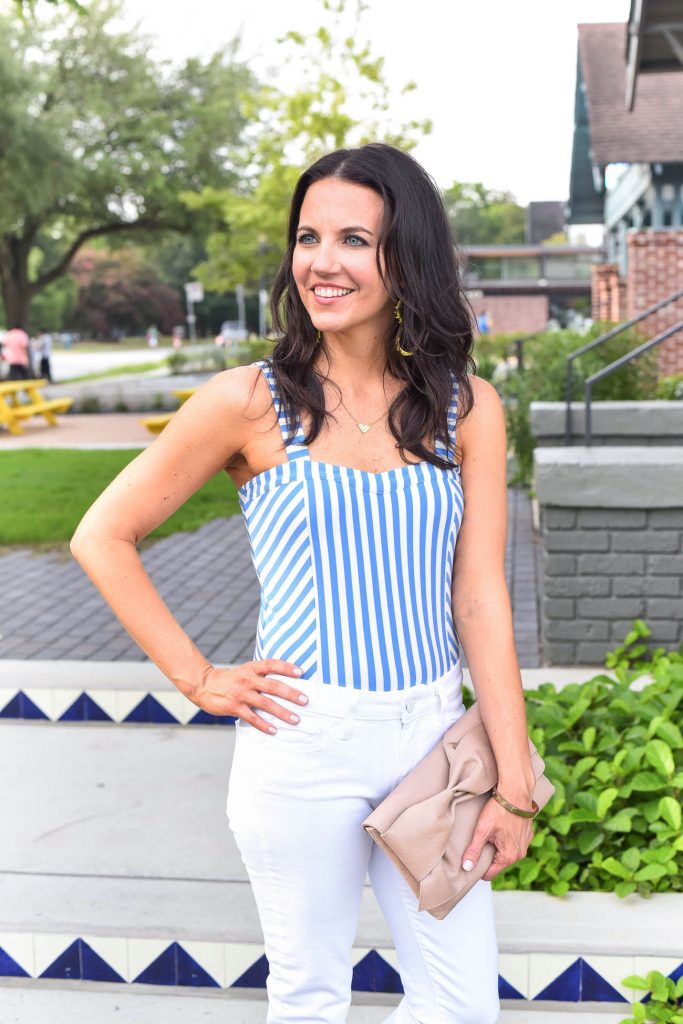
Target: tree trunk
{"points": [[16, 289]]}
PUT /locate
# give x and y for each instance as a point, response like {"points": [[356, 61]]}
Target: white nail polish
{"points": [[467, 865]]}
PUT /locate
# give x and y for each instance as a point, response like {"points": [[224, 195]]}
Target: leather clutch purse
{"points": [[427, 821]]}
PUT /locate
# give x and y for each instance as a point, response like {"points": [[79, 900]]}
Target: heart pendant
{"points": [[364, 427]]}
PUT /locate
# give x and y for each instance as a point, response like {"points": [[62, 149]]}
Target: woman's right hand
{"points": [[238, 691]]}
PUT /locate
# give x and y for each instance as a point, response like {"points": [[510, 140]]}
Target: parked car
{"points": [[232, 331]]}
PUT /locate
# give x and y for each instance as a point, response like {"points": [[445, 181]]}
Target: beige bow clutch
{"points": [[427, 822]]}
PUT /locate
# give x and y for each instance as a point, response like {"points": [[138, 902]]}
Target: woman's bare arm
{"points": [[201, 438], [482, 611]]}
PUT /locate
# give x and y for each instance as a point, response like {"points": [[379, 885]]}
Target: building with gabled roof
{"points": [[627, 165]]}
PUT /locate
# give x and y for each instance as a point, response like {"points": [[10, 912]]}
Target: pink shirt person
{"points": [[15, 347]]}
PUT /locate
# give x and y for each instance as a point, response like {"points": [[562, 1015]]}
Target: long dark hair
{"points": [[422, 269]]}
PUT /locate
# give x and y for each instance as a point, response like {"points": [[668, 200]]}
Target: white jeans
{"points": [[296, 803]]}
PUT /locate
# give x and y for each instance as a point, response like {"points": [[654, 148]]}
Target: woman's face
{"points": [[334, 260]]}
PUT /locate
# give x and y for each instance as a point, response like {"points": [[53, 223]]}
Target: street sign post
{"points": [[194, 292]]}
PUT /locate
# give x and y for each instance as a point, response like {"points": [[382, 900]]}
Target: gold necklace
{"points": [[363, 427]]}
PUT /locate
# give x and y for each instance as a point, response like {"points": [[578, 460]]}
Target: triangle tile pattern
{"points": [[374, 974], [84, 709], [508, 991], [148, 708], [80, 962], [172, 964], [9, 968], [21, 706], [255, 976]]}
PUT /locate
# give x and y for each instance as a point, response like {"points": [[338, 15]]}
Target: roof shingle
{"points": [[653, 130]]}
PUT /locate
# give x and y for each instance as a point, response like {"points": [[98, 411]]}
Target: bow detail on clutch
{"points": [[426, 823]]}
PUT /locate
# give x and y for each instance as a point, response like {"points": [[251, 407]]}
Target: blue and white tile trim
{"points": [[117, 706], [531, 977]]}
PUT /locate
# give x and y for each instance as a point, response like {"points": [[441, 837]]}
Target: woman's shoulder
{"points": [[243, 388], [486, 413]]}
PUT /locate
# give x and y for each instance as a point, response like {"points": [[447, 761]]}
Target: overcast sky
{"points": [[496, 77]]}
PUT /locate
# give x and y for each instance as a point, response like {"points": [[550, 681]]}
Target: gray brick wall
{"points": [[603, 567]]}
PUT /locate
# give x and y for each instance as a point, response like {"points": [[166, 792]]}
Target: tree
{"points": [[120, 293], [343, 100], [481, 216], [97, 140]]}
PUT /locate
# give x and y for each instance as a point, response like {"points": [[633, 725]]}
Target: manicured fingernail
{"points": [[272, 730], [303, 699], [294, 718], [468, 865], [298, 671]]}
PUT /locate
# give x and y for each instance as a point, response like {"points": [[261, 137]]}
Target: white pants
{"points": [[296, 803]]}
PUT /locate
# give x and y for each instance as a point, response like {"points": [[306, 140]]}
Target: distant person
{"points": [[177, 337], [43, 351], [15, 352], [483, 323], [152, 337]]}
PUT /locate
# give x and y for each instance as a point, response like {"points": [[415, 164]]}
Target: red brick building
{"points": [[627, 172]]}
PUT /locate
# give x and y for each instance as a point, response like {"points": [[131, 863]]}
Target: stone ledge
{"points": [[609, 476], [656, 418]]}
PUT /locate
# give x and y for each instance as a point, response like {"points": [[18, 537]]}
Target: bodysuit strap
{"points": [[296, 449]]}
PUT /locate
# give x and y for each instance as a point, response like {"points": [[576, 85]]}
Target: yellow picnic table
{"points": [[155, 424], [13, 410]]}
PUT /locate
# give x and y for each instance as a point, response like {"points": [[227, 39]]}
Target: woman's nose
{"points": [[324, 259]]}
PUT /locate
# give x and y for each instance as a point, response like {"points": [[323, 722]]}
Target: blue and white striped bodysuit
{"points": [[355, 567]]}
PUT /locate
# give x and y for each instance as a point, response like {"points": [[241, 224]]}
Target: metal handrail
{"points": [[599, 374], [598, 341]]}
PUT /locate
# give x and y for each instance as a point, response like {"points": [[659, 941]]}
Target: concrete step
{"points": [[118, 862], [137, 692], [84, 1003]]}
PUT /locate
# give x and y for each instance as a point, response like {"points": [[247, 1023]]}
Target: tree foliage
{"points": [[342, 99], [120, 293], [481, 216], [98, 139]]}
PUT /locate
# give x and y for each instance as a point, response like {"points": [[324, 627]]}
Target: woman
{"points": [[341, 447]]}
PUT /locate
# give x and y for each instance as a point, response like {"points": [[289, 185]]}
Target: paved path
{"points": [[50, 609]]}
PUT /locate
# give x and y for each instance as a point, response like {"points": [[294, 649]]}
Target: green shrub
{"points": [[665, 1004], [544, 380], [89, 403], [670, 388], [615, 757]]}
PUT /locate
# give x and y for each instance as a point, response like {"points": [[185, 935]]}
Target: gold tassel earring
{"points": [[318, 338], [397, 315]]}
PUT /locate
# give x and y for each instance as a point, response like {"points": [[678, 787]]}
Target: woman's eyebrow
{"points": [[342, 231]]}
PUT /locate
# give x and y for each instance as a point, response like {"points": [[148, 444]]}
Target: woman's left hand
{"points": [[510, 833]]}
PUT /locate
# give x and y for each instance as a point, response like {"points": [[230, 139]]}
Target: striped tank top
{"points": [[355, 567]]}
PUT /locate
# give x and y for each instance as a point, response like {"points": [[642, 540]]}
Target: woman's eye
{"points": [[356, 238], [303, 236]]}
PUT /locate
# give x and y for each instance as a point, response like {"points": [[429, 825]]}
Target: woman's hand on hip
{"points": [[239, 691]]}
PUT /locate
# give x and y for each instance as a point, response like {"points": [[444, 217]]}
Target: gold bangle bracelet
{"points": [[511, 807]]}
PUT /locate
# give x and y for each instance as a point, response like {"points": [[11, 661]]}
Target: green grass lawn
{"points": [[44, 494]]}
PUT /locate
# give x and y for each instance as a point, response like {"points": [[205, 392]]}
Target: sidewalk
{"points": [[82, 430]]}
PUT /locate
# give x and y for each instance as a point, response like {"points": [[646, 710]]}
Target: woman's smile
{"points": [[328, 295]]}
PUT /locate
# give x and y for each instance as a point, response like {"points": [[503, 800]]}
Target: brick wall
{"points": [[655, 270], [523, 313], [603, 567], [611, 527], [607, 293]]}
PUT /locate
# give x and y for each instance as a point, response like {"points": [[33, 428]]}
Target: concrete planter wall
{"points": [[611, 522], [612, 423]]}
